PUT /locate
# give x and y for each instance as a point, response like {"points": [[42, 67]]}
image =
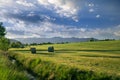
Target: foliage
{"points": [[34, 44], [108, 40], [2, 30], [4, 44], [17, 45], [92, 39]]}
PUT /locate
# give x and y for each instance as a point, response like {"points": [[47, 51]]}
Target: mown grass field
{"points": [[102, 58]]}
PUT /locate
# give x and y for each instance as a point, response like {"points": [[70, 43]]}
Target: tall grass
{"points": [[48, 70], [73, 61], [9, 71]]}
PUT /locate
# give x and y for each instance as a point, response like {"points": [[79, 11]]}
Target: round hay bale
{"points": [[33, 50], [51, 49]]}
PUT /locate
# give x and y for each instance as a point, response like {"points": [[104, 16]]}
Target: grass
{"points": [[9, 71], [101, 59]]}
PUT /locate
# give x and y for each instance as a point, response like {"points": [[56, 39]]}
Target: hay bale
{"points": [[51, 49], [33, 50]]}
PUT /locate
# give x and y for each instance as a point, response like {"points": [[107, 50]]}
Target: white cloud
{"points": [[31, 14], [26, 35], [91, 10], [24, 3], [44, 29], [47, 29], [64, 8], [75, 19], [12, 3], [17, 12], [67, 8], [6, 3], [117, 31], [43, 2], [98, 16], [91, 5], [16, 6]]}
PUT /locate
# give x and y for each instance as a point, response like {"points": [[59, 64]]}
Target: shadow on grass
{"points": [[58, 51], [46, 54], [99, 50], [89, 50], [100, 56]]}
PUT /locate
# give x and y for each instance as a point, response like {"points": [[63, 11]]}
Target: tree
{"points": [[2, 30], [17, 45], [4, 42], [92, 39]]}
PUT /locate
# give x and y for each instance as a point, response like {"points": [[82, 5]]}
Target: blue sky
{"points": [[61, 18]]}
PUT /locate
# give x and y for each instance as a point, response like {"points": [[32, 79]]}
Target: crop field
{"points": [[9, 71], [83, 61]]}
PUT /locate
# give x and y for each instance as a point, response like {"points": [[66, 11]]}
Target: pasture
{"points": [[102, 58]]}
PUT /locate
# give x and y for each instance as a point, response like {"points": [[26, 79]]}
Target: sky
{"points": [[61, 18]]}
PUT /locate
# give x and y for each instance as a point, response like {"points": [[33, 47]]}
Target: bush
{"points": [[4, 44], [17, 45]]}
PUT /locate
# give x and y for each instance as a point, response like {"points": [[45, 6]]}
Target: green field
{"points": [[9, 71], [87, 60]]}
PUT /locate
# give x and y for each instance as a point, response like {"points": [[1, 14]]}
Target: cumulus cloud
{"points": [[117, 31], [24, 3], [47, 29], [91, 5], [44, 29], [50, 18], [36, 11], [91, 10], [111, 32], [98, 16], [67, 8], [8, 2]]}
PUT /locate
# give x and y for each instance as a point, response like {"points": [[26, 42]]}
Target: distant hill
{"points": [[53, 40]]}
